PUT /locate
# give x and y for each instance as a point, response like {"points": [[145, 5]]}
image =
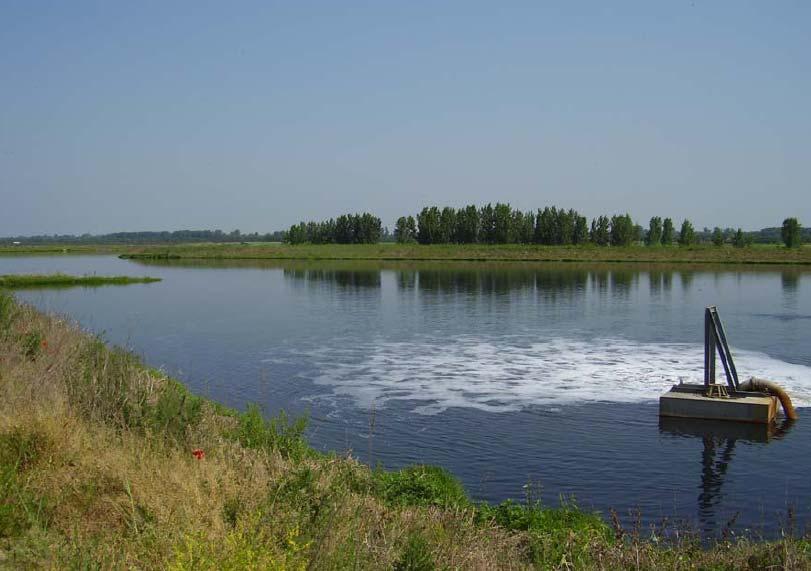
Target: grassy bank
{"points": [[32, 281], [55, 249], [761, 254], [105, 463]]}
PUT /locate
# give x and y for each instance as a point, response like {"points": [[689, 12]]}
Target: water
{"points": [[503, 373]]}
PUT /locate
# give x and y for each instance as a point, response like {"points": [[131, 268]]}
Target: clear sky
{"points": [[254, 115]]}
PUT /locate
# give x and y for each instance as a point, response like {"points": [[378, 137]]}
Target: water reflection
{"points": [[718, 440], [346, 279], [790, 281]]}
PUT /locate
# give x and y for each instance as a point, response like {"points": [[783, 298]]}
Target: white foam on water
{"points": [[505, 375]]}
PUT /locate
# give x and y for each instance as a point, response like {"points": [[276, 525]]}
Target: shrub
{"points": [[421, 486], [279, 433], [32, 343]]}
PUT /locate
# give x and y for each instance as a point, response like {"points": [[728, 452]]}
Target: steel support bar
{"points": [[715, 339]]}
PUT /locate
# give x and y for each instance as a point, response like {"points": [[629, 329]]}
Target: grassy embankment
{"points": [[97, 470], [32, 281], [52, 249], [759, 254]]}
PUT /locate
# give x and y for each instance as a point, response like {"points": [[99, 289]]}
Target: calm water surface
{"points": [[504, 374]]}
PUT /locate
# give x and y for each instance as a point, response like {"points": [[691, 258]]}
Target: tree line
{"points": [[346, 229], [165, 237], [501, 224]]}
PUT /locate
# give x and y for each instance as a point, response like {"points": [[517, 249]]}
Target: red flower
{"points": [[198, 453]]}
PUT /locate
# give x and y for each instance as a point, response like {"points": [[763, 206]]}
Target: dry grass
{"points": [[97, 471]]}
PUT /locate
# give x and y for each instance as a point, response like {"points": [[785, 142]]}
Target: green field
{"points": [[759, 254], [29, 281]]}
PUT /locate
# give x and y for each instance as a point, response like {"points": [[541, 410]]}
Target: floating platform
{"points": [[691, 401]]}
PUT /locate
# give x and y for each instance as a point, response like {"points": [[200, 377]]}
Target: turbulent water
{"points": [[510, 373], [505, 374]]}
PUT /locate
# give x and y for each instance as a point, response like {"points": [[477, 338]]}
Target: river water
{"points": [[509, 375]]}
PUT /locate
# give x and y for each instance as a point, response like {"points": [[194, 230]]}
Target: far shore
{"points": [[759, 254]]}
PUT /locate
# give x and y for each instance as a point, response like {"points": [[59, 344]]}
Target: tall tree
{"points": [[503, 224], [687, 235], [791, 233], [487, 221], [623, 230], [581, 230], [740, 240], [428, 225], [600, 231], [447, 225], [546, 226], [405, 230], [654, 235], [667, 232], [467, 225], [717, 237]]}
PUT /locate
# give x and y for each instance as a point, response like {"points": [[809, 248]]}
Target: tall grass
{"points": [[107, 464]]}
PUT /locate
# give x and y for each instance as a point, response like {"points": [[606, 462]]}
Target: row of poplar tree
{"points": [[501, 224], [346, 229]]}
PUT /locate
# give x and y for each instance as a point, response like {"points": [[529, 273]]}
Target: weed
{"points": [[421, 486], [416, 555], [32, 343], [278, 434]]}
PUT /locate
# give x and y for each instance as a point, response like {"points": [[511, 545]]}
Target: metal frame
{"points": [[715, 339]]}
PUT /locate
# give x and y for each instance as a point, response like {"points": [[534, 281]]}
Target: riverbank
{"points": [[106, 463], [760, 254], [30, 281]]}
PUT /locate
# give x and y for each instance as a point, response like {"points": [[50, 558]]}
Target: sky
{"points": [[126, 116]]}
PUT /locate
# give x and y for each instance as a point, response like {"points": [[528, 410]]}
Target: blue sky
{"points": [[254, 115]]}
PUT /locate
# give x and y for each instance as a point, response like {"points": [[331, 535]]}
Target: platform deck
{"points": [[690, 401]]}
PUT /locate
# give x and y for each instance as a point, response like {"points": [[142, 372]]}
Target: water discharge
{"points": [[508, 374]]}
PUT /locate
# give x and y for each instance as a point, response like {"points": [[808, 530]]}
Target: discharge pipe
{"points": [[772, 388]]}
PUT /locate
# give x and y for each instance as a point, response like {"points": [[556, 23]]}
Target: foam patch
{"points": [[508, 374]]}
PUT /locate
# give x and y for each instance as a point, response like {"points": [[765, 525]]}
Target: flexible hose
{"points": [[771, 388]]}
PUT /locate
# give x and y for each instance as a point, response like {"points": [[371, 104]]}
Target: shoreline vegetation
{"points": [[106, 463], [697, 254], [33, 281]]}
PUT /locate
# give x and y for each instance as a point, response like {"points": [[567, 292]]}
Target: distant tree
{"points": [[623, 231], [447, 225], [740, 240], [523, 226], [428, 225], [667, 232], [502, 224], [581, 230], [344, 234], [791, 233], [717, 237], [654, 235], [405, 230], [546, 225], [565, 227], [487, 221], [688, 234], [368, 229], [297, 234], [600, 231], [467, 225]]}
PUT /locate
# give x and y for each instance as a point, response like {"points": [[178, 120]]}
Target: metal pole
{"points": [[709, 349]]}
